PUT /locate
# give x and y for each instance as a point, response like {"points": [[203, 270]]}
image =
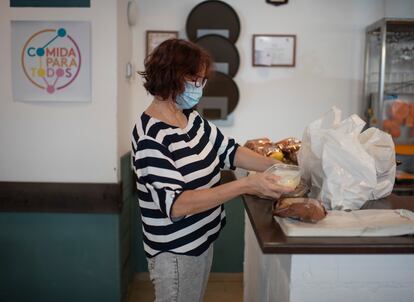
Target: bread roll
{"points": [[260, 145], [304, 209]]}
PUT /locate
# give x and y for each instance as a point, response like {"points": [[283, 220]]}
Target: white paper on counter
{"points": [[359, 223]]}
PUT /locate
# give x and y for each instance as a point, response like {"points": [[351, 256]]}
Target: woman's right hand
{"points": [[265, 185]]}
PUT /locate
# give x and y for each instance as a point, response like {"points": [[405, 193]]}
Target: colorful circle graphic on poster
{"points": [[51, 59]]}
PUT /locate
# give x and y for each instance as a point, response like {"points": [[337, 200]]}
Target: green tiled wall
{"points": [[67, 256], [229, 247], [59, 257], [125, 221]]}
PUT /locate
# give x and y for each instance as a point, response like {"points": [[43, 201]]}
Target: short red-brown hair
{"points": [[167, 66]]}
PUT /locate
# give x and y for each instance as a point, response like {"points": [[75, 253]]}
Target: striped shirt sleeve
{"points": [[155, 168], [225, 147]]}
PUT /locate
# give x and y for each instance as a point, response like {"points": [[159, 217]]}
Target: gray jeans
{"points": [[180, 278]]}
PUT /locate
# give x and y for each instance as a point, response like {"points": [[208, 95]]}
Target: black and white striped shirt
{"points": [[169, 160]]}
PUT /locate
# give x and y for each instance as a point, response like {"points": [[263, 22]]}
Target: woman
{"points": [[178, 156]]}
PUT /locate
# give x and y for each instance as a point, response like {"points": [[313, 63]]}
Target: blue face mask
{"points": [[190, 97]]}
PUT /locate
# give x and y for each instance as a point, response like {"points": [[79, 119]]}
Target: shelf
{"points": [[404, 149]]}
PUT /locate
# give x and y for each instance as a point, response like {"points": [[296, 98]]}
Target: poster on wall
{"points": [[51, 61]]}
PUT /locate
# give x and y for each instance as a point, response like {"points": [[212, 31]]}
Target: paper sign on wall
{"points": [[51, 61]]}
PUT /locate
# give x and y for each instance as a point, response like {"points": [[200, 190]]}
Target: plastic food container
{"points": [[301, 190], [289, 174]]}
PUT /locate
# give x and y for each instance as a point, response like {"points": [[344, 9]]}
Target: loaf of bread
{"points": [[290, 147], [304, 209], [261, 145], [285, 150]]}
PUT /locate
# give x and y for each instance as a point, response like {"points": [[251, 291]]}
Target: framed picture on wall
{"points": [[156, 37], [274, 50]]}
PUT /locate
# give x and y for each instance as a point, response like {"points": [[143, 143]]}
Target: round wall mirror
{"points": [[220, 97], [213, 17], [225, 55]]}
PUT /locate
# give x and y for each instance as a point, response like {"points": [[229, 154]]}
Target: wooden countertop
{"points": [[273, 241]]}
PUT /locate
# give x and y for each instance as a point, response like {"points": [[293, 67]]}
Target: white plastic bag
{"points": [[381, 147], [344, 166]]}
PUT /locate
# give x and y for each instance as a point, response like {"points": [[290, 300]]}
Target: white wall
{"points": [[83, 142], [280, 102], [62, 142], [399, 9], [124, 89]]}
